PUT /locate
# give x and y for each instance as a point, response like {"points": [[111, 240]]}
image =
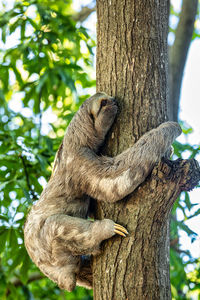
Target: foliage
{"points": [[42, 68], [194, 278], [45, 58], [180, 259]]}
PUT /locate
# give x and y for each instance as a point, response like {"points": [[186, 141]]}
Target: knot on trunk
{"points": [[191, 174], [184, 172]]}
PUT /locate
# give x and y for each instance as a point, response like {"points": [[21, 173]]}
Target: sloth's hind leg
{"points": [[63, 268], [79, 236]]}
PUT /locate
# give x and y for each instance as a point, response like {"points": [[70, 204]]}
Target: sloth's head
{"points": [[92, 121], [102, 110]]}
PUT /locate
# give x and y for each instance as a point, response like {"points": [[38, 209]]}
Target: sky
{"points": [[190, 104], [189, 111]]}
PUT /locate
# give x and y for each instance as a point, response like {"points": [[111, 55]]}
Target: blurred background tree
{"points": [[46, 69]]}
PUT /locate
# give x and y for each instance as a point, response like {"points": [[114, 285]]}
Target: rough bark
{"points": [[178, 54], [132, 66]]}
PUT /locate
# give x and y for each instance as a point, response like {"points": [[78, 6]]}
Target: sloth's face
{"points": [[92, 122], [102, 110]]}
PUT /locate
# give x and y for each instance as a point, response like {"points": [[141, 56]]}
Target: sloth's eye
{"points": [[104, 102]]}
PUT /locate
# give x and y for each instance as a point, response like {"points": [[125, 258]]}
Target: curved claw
{"points": [[120, 233], [120, 230]]}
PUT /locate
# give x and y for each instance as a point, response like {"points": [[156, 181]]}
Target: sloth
{"points": [[58, 235]]}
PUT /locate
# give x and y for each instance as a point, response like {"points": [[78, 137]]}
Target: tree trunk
{"points": [[132, 66]]}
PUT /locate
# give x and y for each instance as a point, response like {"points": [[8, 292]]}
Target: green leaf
{"points": [[13, 239], [22, 31], [26, 194], [4, 218], [42, 161], [34, 24], [187, 201], [3, 34], [25, 268], [17, 74], [3, 238], [41, 82], [17, 258], [189, 231], [194, 214]]}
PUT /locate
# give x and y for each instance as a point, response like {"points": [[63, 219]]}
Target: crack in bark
{"points": [[115, 275]]}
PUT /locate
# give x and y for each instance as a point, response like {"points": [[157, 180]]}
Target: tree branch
{"points": [[82, 15], [33, 277], [178, 54], [34, 195], [17, 282]]}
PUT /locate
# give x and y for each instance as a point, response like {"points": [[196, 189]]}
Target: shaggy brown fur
{"points": [[57, 233]]}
